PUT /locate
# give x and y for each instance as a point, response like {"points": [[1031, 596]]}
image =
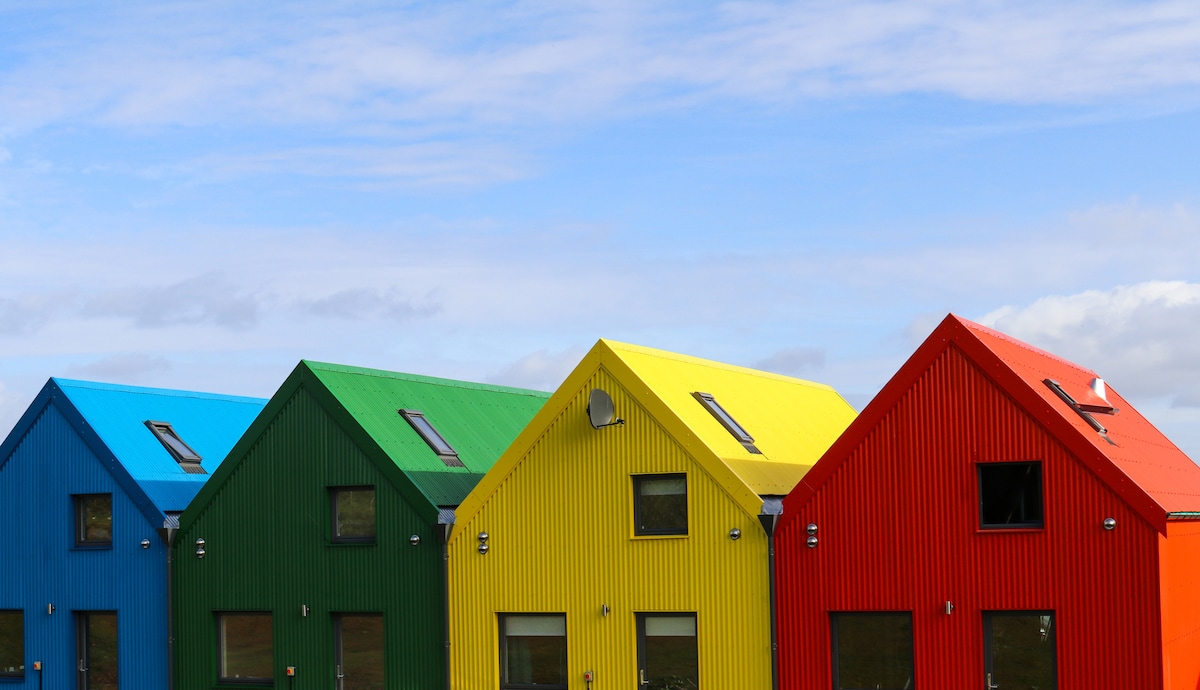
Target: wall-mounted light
{"points": [[604, 610], [483, 542], [812, 528], [735, 534], [145, 543], [304, 610], [414, 540], [812, 542], [49, 609], [949, 608], [1110, 524], [200, 548]]}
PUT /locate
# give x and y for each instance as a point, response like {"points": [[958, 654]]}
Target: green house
{"points": [[314, 557]]}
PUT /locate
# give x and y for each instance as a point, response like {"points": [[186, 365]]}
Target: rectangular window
{"points": [[1019, 649], [668, 655], [187, 458], [96, 650], [425, 429], [245, 648], [660, 504], [533, 651], [353, 511], [12, 644], [1010, 495], [714, 408], [872, 650], [93, 521]]}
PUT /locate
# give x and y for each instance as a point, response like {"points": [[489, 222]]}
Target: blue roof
{"points": [[112, 421]]}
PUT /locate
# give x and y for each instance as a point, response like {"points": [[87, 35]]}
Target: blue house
{"points": [[92, 481]]}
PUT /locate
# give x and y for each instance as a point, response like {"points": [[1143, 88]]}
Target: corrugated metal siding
{"points": [[897, 530], [1180, 558], [267, 534], [560, 529], [41, 567]]}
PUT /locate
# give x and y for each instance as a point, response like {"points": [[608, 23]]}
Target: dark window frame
{"points": [[218, 616], [835, 619], [334, 492], [996, 490], [505, 683], [638, 530], [731, 425], [184, 454], [432, 437], [80, 522], [84, 645], [19, 673], [642, 617]]}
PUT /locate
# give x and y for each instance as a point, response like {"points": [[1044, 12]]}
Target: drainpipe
{"points": [[443, 534], [769, 522], [168, 537]]}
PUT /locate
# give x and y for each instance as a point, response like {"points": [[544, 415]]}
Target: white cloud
{"points": [[1140, 337], [129, 367], [540, 370]]}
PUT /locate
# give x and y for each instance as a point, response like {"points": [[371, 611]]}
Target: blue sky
{"points": [[197, 195]]}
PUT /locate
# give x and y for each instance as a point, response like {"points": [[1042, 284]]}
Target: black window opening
{"points": [[352, 510], [872, 650], [660, 505], [93, 521], [359, 653], [245, 649], [1020, 649], [668, 653], [187, 458], [422, 426], [1010, 495], [533, 651], [710, 403], [12, 644]]}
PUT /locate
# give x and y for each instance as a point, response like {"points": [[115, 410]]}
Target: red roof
{"points": [[1132, 456]]}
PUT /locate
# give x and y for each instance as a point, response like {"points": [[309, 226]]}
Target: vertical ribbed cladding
{"points": [[899, 530], [1180, 593], [560, 538], [267, 541]]}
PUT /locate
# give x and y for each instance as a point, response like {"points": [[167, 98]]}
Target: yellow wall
{"points": [[561, 540]]}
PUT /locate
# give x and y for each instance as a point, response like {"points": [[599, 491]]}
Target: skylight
{"points": [[187, 458], [439, 445], [710, 403], [1082, 410]]}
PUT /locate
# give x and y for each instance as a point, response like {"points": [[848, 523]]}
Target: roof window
{"points": [[187, 458], [710, 403], [439, 445], [1083, 410]]}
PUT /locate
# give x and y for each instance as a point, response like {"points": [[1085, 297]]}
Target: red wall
{"points": [[898, 530]]}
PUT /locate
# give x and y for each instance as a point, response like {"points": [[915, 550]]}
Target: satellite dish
{"points": [[600, 409]]}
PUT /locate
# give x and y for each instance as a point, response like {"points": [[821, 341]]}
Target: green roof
{"points": [[479, 422]]}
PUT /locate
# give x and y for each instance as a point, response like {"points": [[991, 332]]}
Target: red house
{"points": [[997, 517]]}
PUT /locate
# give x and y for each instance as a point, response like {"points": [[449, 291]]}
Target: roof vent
{"points": [[1099, 389]]}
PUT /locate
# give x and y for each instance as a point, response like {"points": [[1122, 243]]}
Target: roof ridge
{"points": [[618, 347], [991, 332], [69, 384], [334, 368]]}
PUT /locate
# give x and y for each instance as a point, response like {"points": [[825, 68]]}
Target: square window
{"points": [[353, 511], [1010, 495], [245, 648], [12, 644], [93, 521], [533, 651], [660, 504], [872, 650]]}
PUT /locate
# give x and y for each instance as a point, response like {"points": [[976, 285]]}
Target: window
{"points": [[660, 504], [710, 403], [439, 445], [245, 649], [533, 651], [358, 651], [12, 644], [96, 650], [872, 650], [187, 458], [353, 510], [93, 521], [668, 656], [1010, 495], [1019, 649]]}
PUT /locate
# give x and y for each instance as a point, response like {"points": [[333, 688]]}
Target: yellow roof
{"points": [[792, 421]]}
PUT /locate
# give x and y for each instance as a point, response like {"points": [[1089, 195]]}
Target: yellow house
{"points": [[622, 540]]}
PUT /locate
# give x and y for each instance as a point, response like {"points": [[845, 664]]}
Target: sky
{"points": [[199, 195]]}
